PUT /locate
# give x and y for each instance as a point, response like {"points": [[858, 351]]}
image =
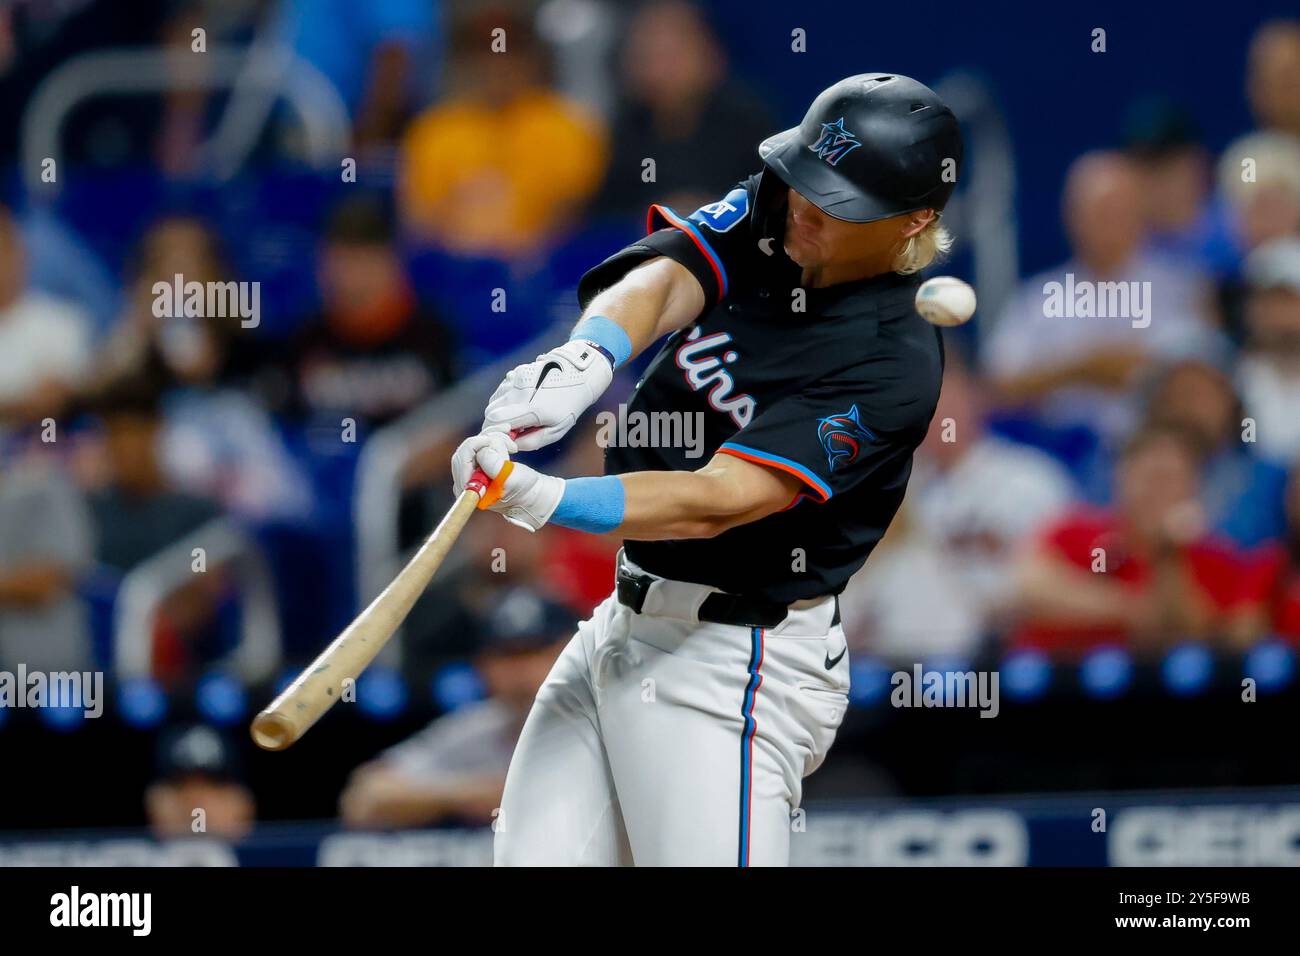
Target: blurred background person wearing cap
{"points": [[456, 767], [199, 770]]}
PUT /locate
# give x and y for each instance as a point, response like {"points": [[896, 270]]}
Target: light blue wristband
{"points": [[607, 334], [594, 505]]}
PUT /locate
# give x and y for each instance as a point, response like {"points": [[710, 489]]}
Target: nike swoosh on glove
{"points": [[528, 498], [546, 397]]}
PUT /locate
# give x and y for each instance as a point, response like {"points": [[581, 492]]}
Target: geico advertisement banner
{"points": [[1174, 830]]}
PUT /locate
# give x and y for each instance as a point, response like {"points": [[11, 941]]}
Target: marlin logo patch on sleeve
{"points": [[842, 437], [835, 142]]}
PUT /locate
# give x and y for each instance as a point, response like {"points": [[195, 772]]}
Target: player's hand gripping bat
{"points": [[319, 687]]}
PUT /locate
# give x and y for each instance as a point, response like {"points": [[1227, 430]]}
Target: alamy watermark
{"points": [[80, 690], [921, 688], [625, 429], [133, 911], [212, 300], [1085, 299]]}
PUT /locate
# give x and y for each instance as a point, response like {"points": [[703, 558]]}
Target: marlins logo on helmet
{"points": [[835, 142], [842, 437]]}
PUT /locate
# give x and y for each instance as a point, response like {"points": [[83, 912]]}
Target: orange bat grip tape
{"points": [[492, 493]]}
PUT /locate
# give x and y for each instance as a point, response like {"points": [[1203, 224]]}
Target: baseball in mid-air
{"points": [[945, 300]]}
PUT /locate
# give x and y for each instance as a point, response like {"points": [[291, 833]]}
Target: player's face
{"points": [[815, 240]]}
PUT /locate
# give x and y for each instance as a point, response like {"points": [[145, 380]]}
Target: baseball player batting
{"points": [[680, 720]]}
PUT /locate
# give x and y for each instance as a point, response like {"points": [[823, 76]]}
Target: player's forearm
{"points": [[676, 505], [672, 505], [633, 308], [652, 300], [645, 506]]}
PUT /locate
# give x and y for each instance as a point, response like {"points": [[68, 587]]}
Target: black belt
{"points": [[718, 608]]}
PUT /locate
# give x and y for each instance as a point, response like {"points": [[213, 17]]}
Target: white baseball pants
{"points": [[658, 740]]}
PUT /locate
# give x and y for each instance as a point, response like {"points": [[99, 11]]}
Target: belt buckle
{"points": [[632, 589]]}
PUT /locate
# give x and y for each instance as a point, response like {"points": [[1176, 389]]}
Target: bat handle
{"points": [[489, 489]]}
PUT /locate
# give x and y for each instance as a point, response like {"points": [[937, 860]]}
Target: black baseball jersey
{"points": [[835, 386]]}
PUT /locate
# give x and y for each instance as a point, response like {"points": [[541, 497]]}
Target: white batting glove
{"points": [[548, 395], [528, 498]]}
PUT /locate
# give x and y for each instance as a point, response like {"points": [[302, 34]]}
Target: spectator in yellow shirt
{"points": [[504, 161]]}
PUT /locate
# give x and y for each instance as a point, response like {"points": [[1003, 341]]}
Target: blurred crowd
{"points": [[132, 418], [1088, 481], [1124, 479]]}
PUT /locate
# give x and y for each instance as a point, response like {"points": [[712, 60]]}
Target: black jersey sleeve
{"points": [[847, 429], [711, 242]]}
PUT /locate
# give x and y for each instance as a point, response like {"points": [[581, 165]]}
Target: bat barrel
{"points": [[322, 684], [273, 731]]}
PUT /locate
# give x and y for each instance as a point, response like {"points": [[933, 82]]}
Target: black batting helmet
{"points": [[871, 146]]}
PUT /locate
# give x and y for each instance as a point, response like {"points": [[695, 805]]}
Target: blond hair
{"points": [[929, 245]]}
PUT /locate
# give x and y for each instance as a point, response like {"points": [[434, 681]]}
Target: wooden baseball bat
{"points": [[320, 685]]}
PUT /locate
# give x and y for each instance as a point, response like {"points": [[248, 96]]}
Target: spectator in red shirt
{"points": [[1144, 574]]}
